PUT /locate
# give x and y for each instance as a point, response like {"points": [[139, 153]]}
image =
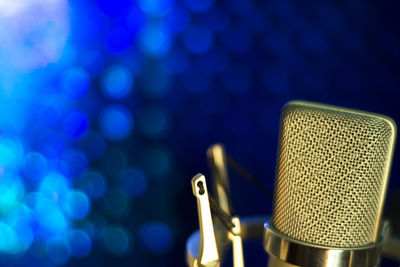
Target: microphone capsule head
{"points": [[332, 173]]}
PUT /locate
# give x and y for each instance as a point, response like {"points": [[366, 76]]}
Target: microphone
{"points": [[332, 174]]}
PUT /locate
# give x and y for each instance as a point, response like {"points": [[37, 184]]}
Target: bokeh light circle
{"points": [[76, 205], [199, 5], [93, 145], [80, 242], [115, 202], [116, 240], [157, 161], [116, 122], [117, 82], [153, 121], [93, 184], [58, 250], [75, 82], [34, 165], [75, 124], [156, 8], [155, 41]]}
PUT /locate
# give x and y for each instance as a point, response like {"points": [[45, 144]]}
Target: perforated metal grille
{"points": [[332, 174]]}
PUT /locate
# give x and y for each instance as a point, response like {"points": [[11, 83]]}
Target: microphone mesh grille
{"points": [[332, 173]]}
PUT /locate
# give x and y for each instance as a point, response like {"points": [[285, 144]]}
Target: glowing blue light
{"points": [[157, 82], [11, 193], [75, 124], [80, 242], [176, 61], [114, 8], [197, 40], [20, 220], [156, 237], [58, 250], [93, 184], [136, 20], [93, 63], [237, 80], [50, 216], [116, 122], [199, 5], [156, 7], [75, 82], [115, 202], [119, 39], [52, 145], [76, 161], [93, 145], [177, 20], [155, 41], [8, 239], [117, 82], [152, 121], [157, 161], [34, 165], [54, 186], [116, 240], [133, 182], [77, 205], [11, 153]]}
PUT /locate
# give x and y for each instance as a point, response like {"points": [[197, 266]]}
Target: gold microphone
{"points": [[332, 173]]}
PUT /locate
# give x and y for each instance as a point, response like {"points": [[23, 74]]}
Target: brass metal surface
{"points": [[299, 253], [208, 254], [332, 174]]}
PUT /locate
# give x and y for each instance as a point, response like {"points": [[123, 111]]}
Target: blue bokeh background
{"points": [[107, 109]]}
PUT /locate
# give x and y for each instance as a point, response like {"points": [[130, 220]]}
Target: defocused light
{"points": [[33, 33], [157, 162], [50, 216], [58, 250], [136, 20], [119, 39], [156, 7], [54, 187], [11, 153], [93, 184], [177, 20], [75, 82], [155, 41], [52, 145], [11, 193], [93, 145], [8, 239], [156, 237], [117, 82], [114, 8], [34, 166], [80, 242], [116, 240], [76, 161], [75, 124], [93, 63], [116, 122], [77, 205], [20, 220], [199, 5], [133, 182], [197, 40], [157, 82], [152, 121], [115, 202]]}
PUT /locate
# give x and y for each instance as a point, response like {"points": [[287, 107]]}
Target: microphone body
{"points": [[332, 174]]}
